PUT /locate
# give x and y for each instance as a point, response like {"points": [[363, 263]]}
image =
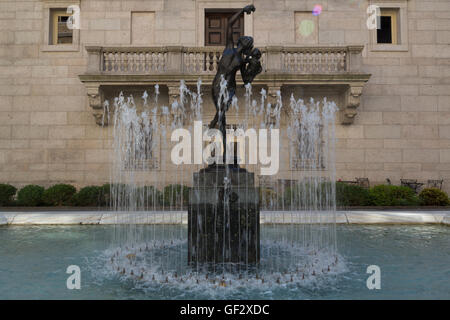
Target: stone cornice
{"points": [[262, 79]]}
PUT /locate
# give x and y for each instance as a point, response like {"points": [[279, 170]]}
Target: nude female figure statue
{"points": [[232, 60]]}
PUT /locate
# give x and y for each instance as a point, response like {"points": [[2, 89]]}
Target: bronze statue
{"points": [[244, 58], [223, 212]]}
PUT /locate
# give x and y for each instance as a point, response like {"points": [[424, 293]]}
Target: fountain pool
{"points": [[413, 260]]}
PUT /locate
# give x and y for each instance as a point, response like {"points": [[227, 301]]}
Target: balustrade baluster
{"points": [[139, 62], [126, 64], [306, 62], [214, 64], [291, 62], [327, 61], [338, 61], [153, 63], [188, 62], [158, 62], [319, 62], [145, 62], [333, 62], [105, 62], [112, 62], [291, 67]]}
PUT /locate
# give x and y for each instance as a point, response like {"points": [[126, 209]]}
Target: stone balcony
{"points": [[337, 67]]}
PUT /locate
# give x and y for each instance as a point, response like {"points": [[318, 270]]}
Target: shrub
{"points": [[89, 196], [173, 194], [59, 194], [351, 195], [308, 195], [106, 194], [30, 196], [7, 193], [116, 194], [434, 197], [149, 196], [388, 195], [268, 198]]}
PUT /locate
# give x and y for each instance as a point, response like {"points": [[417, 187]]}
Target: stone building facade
{"points": [[394, 97]]}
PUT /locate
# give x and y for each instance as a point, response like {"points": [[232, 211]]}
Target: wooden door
{"points": [[215, 27]]}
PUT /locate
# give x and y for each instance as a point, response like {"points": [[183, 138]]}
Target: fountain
{"points": [[223, 217], [224, 244]]}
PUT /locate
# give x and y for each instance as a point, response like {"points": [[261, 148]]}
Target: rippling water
{"points": [[414, 262]]}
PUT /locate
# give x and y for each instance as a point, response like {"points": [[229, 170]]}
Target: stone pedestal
{"points": [[221, 231]]}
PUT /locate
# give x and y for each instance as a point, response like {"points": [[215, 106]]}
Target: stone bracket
{"points": [[351, 103], [95, 98], [272, 97]]}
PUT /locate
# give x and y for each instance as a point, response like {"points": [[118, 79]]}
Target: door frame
{"points": [[219, 11], [203, 5]]}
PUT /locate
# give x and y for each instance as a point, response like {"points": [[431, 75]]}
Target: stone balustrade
{"points": [[313, 60], [337, 67], [204, 60], [134, 60]]}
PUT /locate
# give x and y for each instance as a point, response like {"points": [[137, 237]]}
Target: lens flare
{"points": [[317, 10], [306, 28]]}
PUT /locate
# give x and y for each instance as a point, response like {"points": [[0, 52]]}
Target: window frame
{"points": [[47, 45], [392, 13], [401, 24], [54, 15]]}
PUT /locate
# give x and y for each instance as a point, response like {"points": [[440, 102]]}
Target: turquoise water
{"points": [[414, 263]]}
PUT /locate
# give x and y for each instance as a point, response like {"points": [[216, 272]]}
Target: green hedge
{"points": [[307, 195], [173, 193], [388, 195], [433, 197], [299, 196], [268, 198], [7, 193], [30, 196], [59, 195], [149, 196], [352, 195], [90, 196]]}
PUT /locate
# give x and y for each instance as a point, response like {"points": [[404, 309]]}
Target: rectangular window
{"points": [[60, 33], [388, 30]]}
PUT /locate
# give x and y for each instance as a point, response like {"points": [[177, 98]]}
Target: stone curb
{"points": [[267, 217]]}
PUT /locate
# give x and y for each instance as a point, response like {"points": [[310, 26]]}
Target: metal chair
{"points": [[411, 183], [363, 182], [435, 184]]}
